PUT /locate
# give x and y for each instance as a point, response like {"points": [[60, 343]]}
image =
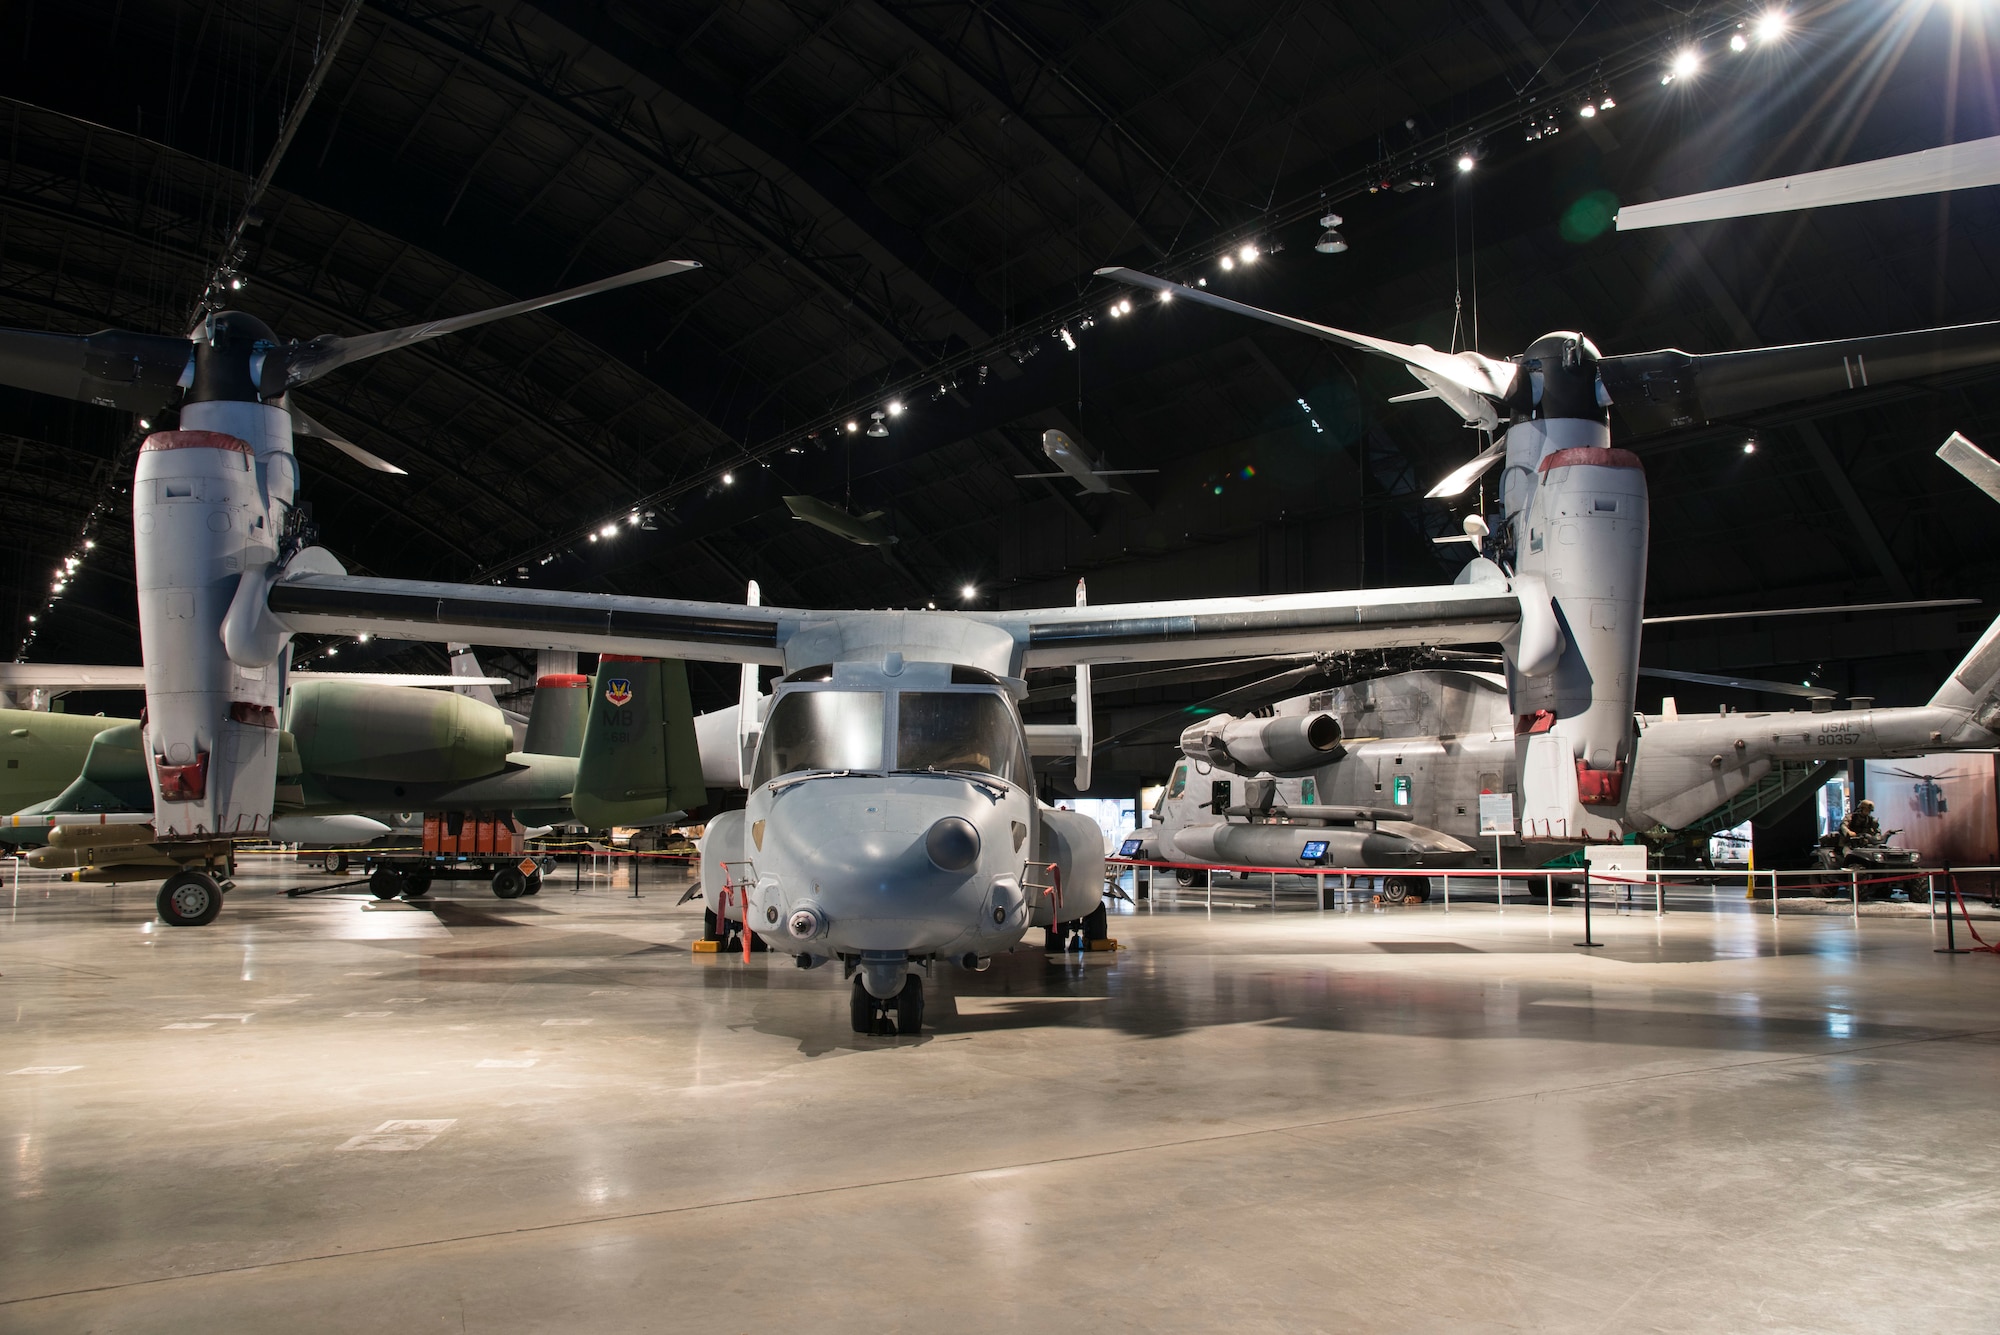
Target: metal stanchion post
{"points": [[1930, 894], [1447, 894], [1854, 892], [1587, 941], [1774, 897], [1274, 892], [1552, 892], [637, 862], [1950, 934]]}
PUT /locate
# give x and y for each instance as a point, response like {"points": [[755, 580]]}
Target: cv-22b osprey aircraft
{"points": [[889, 821]]}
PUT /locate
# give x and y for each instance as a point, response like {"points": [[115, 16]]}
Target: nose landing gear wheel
{"points": [[862, 1009], [385, 883], [910, 1006], [189, 899], [1396, 890]]}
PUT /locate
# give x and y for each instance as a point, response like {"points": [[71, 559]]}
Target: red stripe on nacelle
{"points": [[1590, 454], [561, 681], [623, 658], [195, 440]]}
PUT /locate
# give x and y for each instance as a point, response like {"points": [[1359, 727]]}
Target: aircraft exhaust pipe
{"points": [[1294, 744]]}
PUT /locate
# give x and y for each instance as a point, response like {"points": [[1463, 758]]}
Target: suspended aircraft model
{"points": [[865, 530], [1077, 465]]}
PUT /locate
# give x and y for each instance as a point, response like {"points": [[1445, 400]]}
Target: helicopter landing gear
{"points": [[870, 1014]]}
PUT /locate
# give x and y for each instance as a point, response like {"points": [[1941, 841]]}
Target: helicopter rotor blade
{"points": [[1913, 605], [1742, 683], [329, 352], [1669, 389], [304, 425], [116, 367], [1468, 382], [1927, 171]]}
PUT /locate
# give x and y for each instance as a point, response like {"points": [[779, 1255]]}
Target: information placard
{"points": [[1496, 813]]}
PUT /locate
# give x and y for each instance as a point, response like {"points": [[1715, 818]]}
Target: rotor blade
{"points": [[330, 351], [1467, 473], [1920, 605], [1120, 472], [1743, 683], [1465, 371], [1029, 475], [303, 425], [1669, 389], [116, 367], [1929, 171], [1975, 465]]}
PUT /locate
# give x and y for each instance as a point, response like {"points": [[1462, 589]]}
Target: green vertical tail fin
{"points": [[640, 763]]}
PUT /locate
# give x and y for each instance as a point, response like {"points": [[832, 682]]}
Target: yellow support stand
{"points": [[707, 947]]}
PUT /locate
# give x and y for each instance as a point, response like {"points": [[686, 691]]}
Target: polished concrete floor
{"points": [[546, 1114]]}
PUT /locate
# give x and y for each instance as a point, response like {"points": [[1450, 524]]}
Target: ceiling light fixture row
{"points": [[1765, 29], [1408, 170]]}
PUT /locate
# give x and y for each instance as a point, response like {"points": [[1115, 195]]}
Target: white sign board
{"points": [[1617, 859], [1496, 813]]}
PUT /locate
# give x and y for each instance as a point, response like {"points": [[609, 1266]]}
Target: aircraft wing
{"points": [[1479, 613], [1268, 624], [533, 618]]}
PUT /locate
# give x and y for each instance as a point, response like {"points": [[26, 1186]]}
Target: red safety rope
{"points": [[1984, 945]]}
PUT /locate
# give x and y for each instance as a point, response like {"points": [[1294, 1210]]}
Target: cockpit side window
{"points": [[1179, 785], [814, 730], [963, 730]]}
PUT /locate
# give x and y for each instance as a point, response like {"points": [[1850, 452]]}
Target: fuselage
{"points": [[891, 818]]}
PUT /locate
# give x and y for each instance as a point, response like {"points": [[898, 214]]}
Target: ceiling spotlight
{"points": [[1228, 263], [633, 519], [236, 285], [1330, 242], [895, 407], [1331, 220], [1117, 309], [875, 425], [1166, 296], [1466, 162], [853, 427], [969, 592], [1248, 254], [89, 543], [1605, 101], [1738, 42], [332, 651], [1772, 25], [1068, 339], [145, 425], [608, 531], [361, 639], [1201, 282], [1749, 447], [729, 479], [1587, 110], [1687, 63]]}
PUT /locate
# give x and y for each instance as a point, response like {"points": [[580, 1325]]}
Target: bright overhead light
{"points": [[729, 479], [1607, 102], [1738, 42], [875, 426], [1772, 25], [853, 427], [1166, 296], [1248, 254], [145, 425], [608, 531], [1228, 263], [1466, 162], [1749, 447], [1587, 110], [1068, 339], [969, 592], [361, 638], [1686, 63], [1330, 242], [895, 407]]}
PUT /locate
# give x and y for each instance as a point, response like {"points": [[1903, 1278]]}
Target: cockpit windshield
{"points": [[815, 730], [959, 730]]}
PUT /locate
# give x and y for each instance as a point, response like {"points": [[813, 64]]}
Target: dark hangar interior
{"points": [[903, 203]]}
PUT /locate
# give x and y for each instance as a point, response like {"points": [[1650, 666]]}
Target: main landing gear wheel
{"points": [[508, 883], [189, 899], [1055, 938], [1183, 877], [1096, 926], [335, 864], [385, 883], [862, 1009], [910, 1006]]}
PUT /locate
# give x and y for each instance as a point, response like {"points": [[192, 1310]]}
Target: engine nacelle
{"points": [[1074, 844], [1293, 744], [402, 733]]}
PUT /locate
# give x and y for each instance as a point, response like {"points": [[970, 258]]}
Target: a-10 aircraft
{"points": [[352, 746], [890, 821]]}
